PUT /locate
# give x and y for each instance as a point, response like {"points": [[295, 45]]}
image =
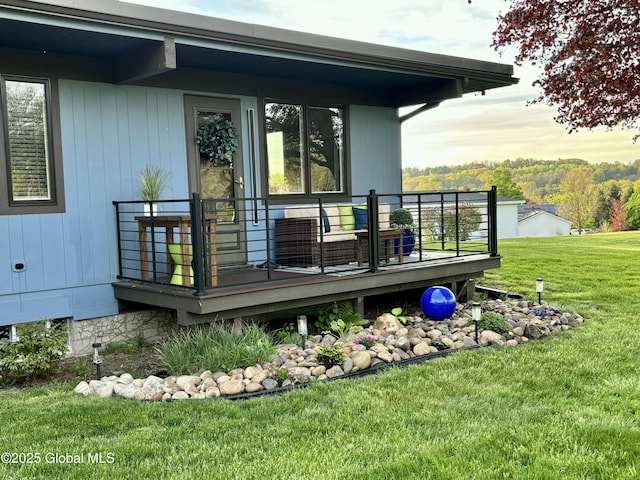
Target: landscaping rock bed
{"points": [[385, 342]]}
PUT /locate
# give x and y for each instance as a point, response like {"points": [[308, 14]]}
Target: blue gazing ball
{"points": [[438, 303]]}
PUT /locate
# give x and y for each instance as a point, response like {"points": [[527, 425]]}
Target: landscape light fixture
{"points": [[539, 289], [97, 359], [475, 316], [302, 329], [13, 336]]}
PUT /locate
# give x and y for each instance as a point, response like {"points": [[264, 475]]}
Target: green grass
{"points": [[562, 408], [126, 346]]}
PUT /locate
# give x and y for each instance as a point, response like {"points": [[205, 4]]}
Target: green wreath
{"points": [[217, 139]]}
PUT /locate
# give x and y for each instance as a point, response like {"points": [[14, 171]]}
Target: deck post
{"points": [[492, 208], [373, 226], [197, 233], [457, 224], [119, 233]]}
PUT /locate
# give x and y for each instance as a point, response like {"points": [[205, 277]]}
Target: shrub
{"points": [[337, 317], [217, 348], [493, 321], [36, 353], [288, 334], [330, 356], [402, 218]]}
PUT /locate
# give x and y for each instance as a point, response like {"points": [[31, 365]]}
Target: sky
{"points": [[494, 127]]}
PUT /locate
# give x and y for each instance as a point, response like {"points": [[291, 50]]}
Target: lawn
{"points": [[562, 408]]}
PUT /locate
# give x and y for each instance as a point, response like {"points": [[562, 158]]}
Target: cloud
{"points": [[494, 127]]}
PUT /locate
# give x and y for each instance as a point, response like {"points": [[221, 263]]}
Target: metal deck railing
{"points": [[207, 243]]}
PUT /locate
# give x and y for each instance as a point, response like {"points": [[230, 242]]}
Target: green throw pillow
{"points": [[347, 220]]}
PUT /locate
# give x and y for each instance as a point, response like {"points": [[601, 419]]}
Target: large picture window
{"points": [[305, 149], [27, 151]]}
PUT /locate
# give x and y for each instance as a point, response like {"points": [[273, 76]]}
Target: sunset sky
{"points": [[495, 127]]}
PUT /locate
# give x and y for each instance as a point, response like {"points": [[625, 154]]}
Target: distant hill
{"points": [[539, 179]]}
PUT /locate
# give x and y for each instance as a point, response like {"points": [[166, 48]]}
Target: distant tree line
{"points": [[604, 195]]}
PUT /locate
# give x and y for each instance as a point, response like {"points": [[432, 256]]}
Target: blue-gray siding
{"points": [[109, 133]]}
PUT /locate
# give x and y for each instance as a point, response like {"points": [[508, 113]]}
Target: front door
{"points": [[216, 172]]}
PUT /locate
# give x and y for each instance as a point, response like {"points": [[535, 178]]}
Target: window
{"points": [[305, 149], [28, 152]]}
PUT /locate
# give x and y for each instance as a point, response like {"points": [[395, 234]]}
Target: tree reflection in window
{"points": [[305, 148]]}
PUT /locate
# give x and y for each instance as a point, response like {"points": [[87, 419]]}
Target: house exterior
{"points": [[94, 91], [540, 223]]}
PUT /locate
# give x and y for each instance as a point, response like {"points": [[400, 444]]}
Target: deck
{"points": [[253, 295], [207, 289]]}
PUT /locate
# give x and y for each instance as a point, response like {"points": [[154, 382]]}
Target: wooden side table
{"points": [[183, 224], [388, 236]]}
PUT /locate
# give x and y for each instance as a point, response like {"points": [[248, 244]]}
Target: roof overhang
{"points": [[130, 43]]}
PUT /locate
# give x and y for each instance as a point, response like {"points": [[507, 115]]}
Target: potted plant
{"points": [[402, 219], [151, 184]]}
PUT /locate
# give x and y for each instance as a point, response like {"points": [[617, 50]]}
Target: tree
{"points": [[501, 178], [579, 196], [618, 219], [633, 210], [447, 224], [608, 191], [587, 51]]}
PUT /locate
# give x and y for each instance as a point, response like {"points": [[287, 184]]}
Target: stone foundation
{"points": [[152, 325]]}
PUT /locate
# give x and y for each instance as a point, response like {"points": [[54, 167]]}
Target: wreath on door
{"points": [[217, 140]]}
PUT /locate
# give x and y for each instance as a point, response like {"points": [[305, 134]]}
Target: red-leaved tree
{"points": [[588, 51], [618, 217]]}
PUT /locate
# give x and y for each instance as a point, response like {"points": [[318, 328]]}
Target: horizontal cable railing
{"points": [[206, 243]]}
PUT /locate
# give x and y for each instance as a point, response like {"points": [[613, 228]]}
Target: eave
{"points": [[118, 33]]}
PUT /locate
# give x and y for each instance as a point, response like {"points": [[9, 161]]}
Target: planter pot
{"points": [[408, 243], [148, 208]]}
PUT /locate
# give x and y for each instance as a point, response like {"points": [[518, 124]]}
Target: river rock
{"points": [[82, 388], [394, 342], [422, 349], [360, 360], [385, 356], [347, 363], [125, 379], [105, 390], [269, 384], [489, 337], [387, 322], [212, 392], [253, 387], [250, 372], [124, 390], [156, 397], [171, 388], [533, 332], [334, 371], [232, 387]]}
